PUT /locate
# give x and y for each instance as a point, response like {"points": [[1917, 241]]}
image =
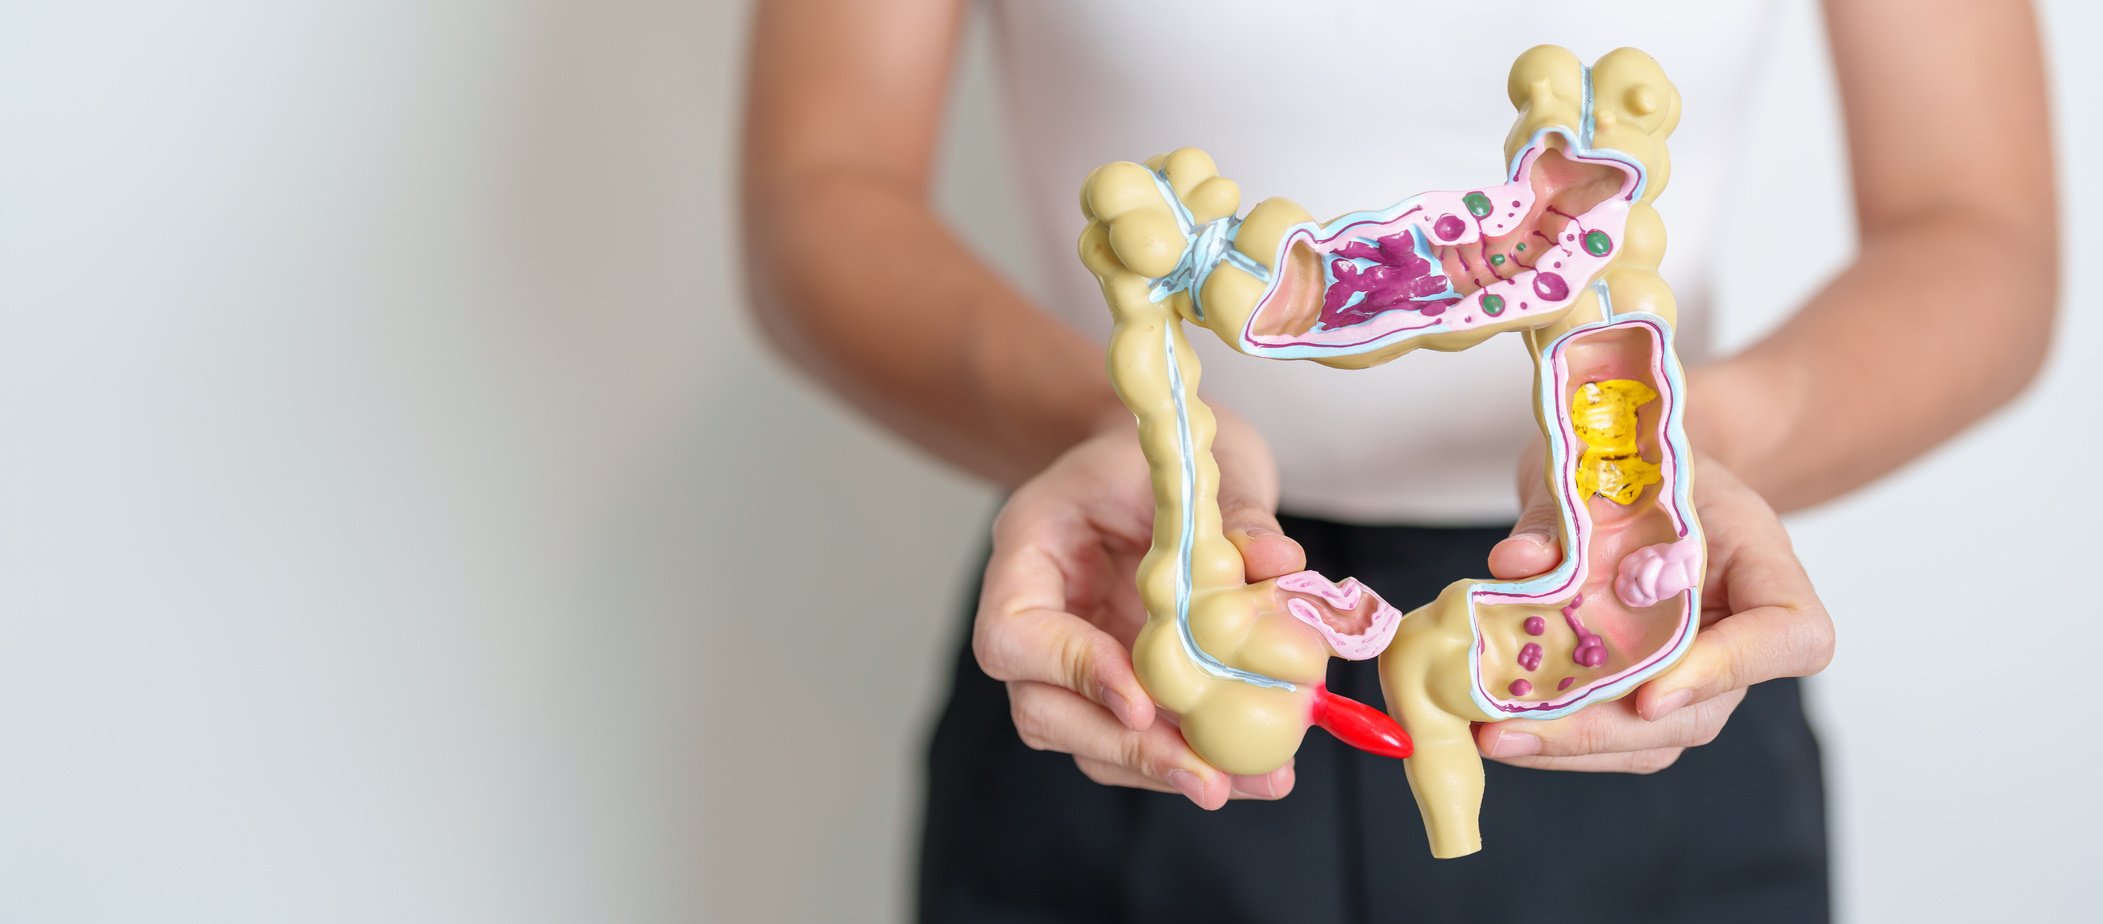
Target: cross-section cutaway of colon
{"points": [[1565, 252]]}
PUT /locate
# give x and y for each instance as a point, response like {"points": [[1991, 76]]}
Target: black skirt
{"points": [[1735, 831]]}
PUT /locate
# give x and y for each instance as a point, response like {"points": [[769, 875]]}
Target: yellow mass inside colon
{"points": [[1604, 416]]}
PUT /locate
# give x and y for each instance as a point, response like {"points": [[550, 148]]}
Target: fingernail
{"points": [[1258, 532], [1267, 786], [1514, 744], [1539, 539], [1188, 784], [1118, 706], [1671, 703]]}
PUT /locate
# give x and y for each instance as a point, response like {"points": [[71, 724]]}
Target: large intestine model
{"points": [[1566, 252]]}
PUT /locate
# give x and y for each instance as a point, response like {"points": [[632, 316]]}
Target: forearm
{"points": [[1936, 323], [859, 282], [852, 274], [1947, 311]]}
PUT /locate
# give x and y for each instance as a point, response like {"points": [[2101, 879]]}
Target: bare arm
{"points": [[854, 276], [1947, 311]]}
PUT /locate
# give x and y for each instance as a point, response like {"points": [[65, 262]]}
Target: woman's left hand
{"points": [[1760, 617]]}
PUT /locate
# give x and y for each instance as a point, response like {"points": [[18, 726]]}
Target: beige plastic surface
{"points": [[1133, 238]]}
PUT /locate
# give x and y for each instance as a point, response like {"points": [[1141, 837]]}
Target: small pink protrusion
{"points": [[1316, 601], [1656, 573]]}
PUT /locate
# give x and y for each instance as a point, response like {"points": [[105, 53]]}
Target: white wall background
{"points": [[397, 521]]}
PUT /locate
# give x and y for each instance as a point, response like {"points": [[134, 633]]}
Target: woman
{"points": [[1055, 823]]}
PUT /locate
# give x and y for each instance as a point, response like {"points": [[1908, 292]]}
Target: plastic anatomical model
{"points": [[1565, 250]]}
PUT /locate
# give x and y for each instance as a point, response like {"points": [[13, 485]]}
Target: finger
{"points": [[1267, 553], [1650, 761], [1248, 503], [1532, 548], [1776, 628], [1274, 785], [1740, 650], [1050, 718], [1109, 774], [1022, 633], [1609, 729]]}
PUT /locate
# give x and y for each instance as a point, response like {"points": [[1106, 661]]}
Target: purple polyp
{"points": [[1591, 649], [1448, 227], [1535, 625], [1521, 687], [1551, 287], [1565, 683], [1397, 278], [1530, 657]]}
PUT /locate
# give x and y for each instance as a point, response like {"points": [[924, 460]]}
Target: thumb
{"points": [[1532, 547], [1248, 502], [1266, 552], [1252, 525]]}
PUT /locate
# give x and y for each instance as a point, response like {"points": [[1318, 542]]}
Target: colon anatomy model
{"points": [[1566, 253]]}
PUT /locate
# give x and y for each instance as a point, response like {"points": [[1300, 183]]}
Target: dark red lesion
{"points": [[1399, 277]]}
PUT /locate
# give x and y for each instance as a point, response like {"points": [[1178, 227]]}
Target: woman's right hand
{"points": [[1059, 608]]}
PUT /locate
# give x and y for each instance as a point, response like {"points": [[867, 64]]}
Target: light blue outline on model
{"points": [[1394, 212], [1206, 247], [1565, 573]]}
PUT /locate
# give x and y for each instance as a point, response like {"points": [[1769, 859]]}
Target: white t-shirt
{"points": [[1091, 81]]}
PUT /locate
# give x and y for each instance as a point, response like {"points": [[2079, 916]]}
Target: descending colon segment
{"points": [[1566, 250], [1241, 665]]}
